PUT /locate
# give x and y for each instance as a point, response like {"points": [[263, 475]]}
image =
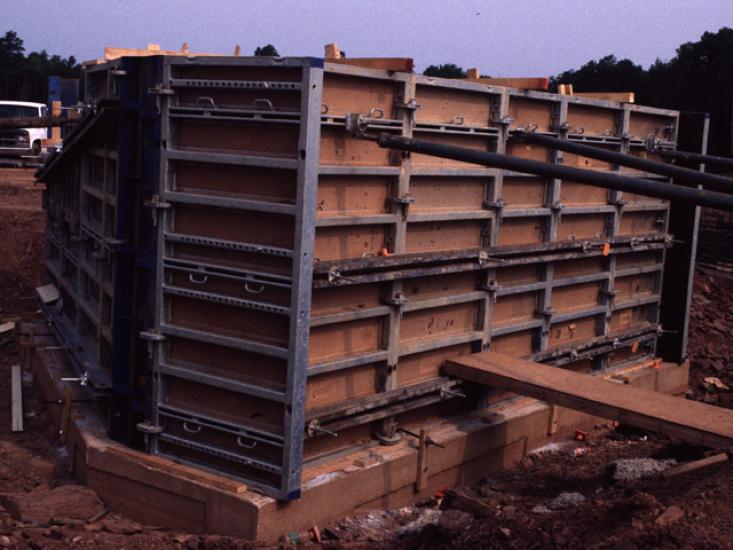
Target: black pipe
{"points": [[710, 160], [609, 180], [686, 175]]}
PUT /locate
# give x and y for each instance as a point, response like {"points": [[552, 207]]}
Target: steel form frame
{"points": [[292, 396], [391, 400]]}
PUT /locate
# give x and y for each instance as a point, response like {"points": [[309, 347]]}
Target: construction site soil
{"points": [[564, 495]]}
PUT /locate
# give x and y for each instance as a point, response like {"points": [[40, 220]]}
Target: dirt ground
{"points": [[557, 498]]}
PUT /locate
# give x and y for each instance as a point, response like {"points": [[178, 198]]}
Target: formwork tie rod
{"points": [[684, 176], [700, 197]]}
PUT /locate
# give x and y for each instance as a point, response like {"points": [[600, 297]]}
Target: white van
{"points": [[22, 141]]}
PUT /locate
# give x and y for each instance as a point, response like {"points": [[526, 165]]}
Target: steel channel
{"points": [[231, 159], [301, 292], [226, 341], [231, 203], [193, 374]]}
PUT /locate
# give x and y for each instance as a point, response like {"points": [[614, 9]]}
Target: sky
{"points": [[500, 37]]}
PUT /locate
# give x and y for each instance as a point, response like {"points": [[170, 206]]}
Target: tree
{"points": [[11, 46], [448, 70], [268, 50], [698, 78], [26, 77]]}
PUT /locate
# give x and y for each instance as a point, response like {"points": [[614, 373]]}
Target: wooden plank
{"points": [[399, 64], [16, 391], [693, 422], [527, 83], [695, 465], [622, 97]]}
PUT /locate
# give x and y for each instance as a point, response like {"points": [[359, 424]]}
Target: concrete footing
{"points": [[161, 492]]}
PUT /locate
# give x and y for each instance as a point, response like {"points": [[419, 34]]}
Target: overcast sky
{"points": [[500, 37]]}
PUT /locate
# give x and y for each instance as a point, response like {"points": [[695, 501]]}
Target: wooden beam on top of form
{"points": [[333, 54], [527, 83], [693, 422]]}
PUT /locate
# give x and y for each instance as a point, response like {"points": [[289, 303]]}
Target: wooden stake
{"points": [[16, 390], [695, 465], [422, 462]]}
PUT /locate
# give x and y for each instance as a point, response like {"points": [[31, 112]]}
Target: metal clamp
{"points": [[497, 205], [149, 428], [156, 203], [445, 393], [314, 428], [428, 439], [411, 105], [492, 288], [502, 121], [83, 380], [335, 277], [399, 300]]}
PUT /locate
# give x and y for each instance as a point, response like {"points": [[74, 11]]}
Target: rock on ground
{"points": [[566, 500], [67, 502], [628, 469]]}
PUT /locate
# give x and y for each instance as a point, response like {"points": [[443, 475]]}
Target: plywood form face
{"points": [[582, 226], [518, 344], [338, 341], [253, 139], [425, 366], [531, 113], [227, 363], [446, 106], [338, 148], [243, 182], [515, 308], [572, 193], [347, 94], [644, 125], [337, 387], [444, 236], [583, 119], [438, 322], [358, 241], [521, 193], [445, 194], [343, 195], [518, 231]]}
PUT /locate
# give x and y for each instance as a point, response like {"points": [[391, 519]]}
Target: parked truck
{"points": [[19, 142]]}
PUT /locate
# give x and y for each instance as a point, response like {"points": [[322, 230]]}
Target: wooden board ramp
{"points": [[693, 422]]}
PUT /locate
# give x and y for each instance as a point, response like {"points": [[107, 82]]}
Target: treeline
{"points": [[698, 78], [25, 77]]}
